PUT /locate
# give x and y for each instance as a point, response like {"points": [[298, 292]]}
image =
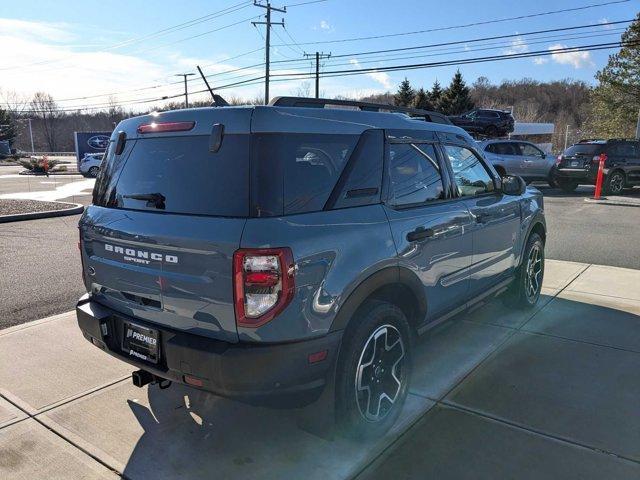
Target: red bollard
{"points": [[601, 160]]}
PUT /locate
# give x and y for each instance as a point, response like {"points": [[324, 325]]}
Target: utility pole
{"points": [[267, 39], [31, 135], [318, 56], [566, 136], [186, 93]]}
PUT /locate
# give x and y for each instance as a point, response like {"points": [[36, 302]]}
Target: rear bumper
{"points": [[272, 374], [580, 174]]}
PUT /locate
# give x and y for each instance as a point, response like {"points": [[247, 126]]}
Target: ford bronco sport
{"points": [[277, 253]]}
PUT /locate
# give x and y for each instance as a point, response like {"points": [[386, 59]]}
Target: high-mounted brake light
{"points": [[263, 284], [155, 127]]}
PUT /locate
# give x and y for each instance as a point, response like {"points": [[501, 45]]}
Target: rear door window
{"points": [[180, 175], [414, 175]]}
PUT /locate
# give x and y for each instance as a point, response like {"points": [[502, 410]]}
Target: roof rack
{"points": [[305, 102]]}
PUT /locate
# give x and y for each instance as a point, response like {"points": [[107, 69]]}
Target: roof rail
{"points": [[305, 102], [622, 140]]}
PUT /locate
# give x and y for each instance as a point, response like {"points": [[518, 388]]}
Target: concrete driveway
{"points": [[547, 393]]}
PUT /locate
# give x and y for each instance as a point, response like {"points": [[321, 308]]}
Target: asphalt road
{"points": [[40, 267], [585, 232]]}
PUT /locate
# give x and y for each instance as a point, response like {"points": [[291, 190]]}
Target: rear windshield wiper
{"points": [[155, 200]]}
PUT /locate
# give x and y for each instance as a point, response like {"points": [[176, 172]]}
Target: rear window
{"points": [[584, 149], [178, 175], [295, 173]]}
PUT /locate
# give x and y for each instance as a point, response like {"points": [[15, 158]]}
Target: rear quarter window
{"points": [[296, 173]]}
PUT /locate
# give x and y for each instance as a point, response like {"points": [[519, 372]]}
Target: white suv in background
{"points": [[90, 164]]}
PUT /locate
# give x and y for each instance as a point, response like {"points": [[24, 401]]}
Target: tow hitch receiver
{"points": [[141, 378]]}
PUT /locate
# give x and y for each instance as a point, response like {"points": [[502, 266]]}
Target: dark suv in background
{"points": [[491, 123], [274, 254], [579, 164]]}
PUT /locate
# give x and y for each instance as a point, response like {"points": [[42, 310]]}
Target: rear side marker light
{"points": [[318, 356], [263, 284], [155, 127]]}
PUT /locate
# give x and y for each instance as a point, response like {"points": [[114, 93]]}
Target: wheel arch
{"points": [[396, 285]]}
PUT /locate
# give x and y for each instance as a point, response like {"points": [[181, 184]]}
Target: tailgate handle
{"points": [[215, 141]]}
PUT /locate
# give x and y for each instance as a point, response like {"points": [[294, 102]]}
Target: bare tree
{"points": [[46, 109]]}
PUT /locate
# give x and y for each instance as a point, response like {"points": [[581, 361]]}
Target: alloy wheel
{"points": [[380, 375], [616, 184], [534, 272]]}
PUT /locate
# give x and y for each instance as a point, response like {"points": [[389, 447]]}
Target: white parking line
{"points": [[83, 187]]}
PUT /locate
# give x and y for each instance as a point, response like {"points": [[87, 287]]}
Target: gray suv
{"points": [[516, 157], [275, 254]]}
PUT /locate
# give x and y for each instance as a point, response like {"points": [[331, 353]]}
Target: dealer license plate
{"points": [[141, 342]]}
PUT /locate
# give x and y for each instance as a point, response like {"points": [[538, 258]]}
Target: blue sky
{"points": [[74, 49]]}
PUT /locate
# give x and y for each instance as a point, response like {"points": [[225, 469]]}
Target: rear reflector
{"points": [[196, 382], [154, 127]]}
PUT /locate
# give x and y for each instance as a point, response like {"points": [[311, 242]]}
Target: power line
{"points": [[467, 25]]}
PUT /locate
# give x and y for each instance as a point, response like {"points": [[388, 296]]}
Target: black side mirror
{"points": [[513, 185]]}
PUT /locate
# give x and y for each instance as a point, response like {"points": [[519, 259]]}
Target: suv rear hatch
{"points": [[580, 155], [168, 215]]}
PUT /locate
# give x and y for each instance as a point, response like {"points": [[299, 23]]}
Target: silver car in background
{"points": [[516, 157], [90, 164]]}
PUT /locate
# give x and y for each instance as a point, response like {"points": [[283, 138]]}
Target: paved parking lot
{"points": [[546, 393]]}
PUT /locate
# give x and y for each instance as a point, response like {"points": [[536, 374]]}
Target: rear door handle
{"points": [[420, 233], [482, 218]]}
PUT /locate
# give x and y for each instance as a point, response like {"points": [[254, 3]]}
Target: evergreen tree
{"points": [[435, 95], [456, 98], [422, 101], [405, 95], [7, 126], [615, 102]]}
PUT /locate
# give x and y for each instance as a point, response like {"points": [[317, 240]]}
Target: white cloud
{"points": [[324, 26], [540, 60], [606, 23], [56, 32], [45, 60], [381, 77], [518, 45], [574, 58]]}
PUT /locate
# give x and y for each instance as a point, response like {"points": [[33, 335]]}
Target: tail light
{"points": [[559, 160], [80, 250], [263, 284]]}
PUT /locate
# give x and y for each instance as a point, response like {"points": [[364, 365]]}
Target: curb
{"points": [[74, 209], [605, 201]]}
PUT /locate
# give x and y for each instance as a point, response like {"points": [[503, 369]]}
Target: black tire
{"points": [[551, 179], [567, 185], [525, 290], [614, 183], [93, 172], [491, 131], [363, 366]]}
